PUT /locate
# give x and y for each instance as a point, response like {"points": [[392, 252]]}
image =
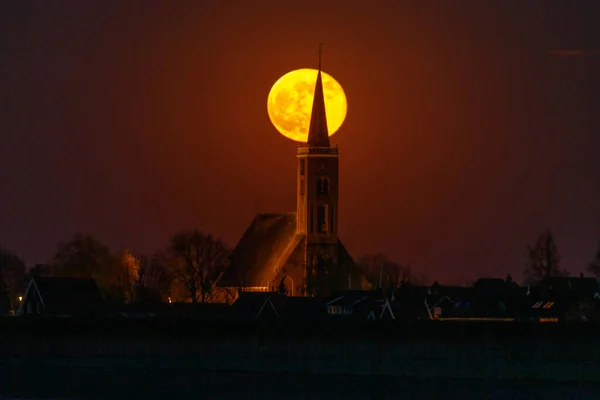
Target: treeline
{"points": [[189, 266], [185, 270]]}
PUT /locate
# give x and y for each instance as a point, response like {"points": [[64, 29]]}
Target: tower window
{"points": [[301, 167], [311, 221], [323, 187], [322, 218]]}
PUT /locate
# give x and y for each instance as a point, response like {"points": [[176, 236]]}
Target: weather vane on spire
{"points": [[320, 54]]}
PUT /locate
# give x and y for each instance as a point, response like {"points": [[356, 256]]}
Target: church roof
{"points": [[318, 134], [266, 244], [269, 243]]}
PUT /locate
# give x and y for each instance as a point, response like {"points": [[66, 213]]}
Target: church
{"points": [[299, 253]]}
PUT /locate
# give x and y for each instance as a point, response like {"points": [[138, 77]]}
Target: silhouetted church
{"points": [[299, 253]]}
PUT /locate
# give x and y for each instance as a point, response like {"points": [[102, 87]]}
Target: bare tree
{"points": [[542, 260], [12, 275], [152, 280], [594, 266], [381, 272], [125, 273], [197, 260]]}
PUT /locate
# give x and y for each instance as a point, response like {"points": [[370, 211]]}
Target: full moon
{"points": [[290, 103]]}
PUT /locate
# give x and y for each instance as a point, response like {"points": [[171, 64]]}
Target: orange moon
{"points": [[290, 103]]}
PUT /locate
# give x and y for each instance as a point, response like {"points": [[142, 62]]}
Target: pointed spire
{"points": [[318, 134]]}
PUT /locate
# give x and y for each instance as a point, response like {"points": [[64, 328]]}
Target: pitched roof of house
{"points": [[350, 297], [65, 295], [268, 242], [258, 305], [364, 303], [251, 304]]}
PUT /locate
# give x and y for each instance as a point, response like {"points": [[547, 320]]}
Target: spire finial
{"points": [[320, 54]]}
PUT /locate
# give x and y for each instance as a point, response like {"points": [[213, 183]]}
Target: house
{"points": [[361, 305], [275, 306], [490, 299], [409, 302], [440, 300], [558, 299], [256, 305], [65, 297]]}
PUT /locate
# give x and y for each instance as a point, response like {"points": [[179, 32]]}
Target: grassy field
{"points": [[109, 382]]}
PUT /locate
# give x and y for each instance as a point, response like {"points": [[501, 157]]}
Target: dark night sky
{"points": [[464, 138]]}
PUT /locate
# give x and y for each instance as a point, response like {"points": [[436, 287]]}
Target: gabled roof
{"points": [[349, 298], [274, 305], [453, 292], [409, 302], [369, 304], [252, 305], [64, 295], [266, 244]]}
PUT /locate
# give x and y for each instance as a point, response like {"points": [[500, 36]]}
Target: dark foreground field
{"points": [[212, 360], [70, 380]]}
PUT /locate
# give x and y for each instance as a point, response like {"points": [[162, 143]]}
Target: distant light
{"points": [[170, 300], [20, 299]]}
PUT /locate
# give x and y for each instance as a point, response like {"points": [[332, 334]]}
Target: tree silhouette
{"points": [[85, 257], [542, 260], [12, 275], [197, 260], [152, 279], [594, 266], [127, 274], [381, 272]]}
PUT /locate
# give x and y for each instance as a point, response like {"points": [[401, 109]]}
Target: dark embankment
{"points": [[222, 357]]}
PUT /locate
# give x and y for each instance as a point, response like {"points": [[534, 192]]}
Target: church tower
{"points": [[317, 197], [299, 254]]}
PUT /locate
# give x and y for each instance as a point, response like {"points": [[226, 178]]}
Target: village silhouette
{"points": [[288, 266]]}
